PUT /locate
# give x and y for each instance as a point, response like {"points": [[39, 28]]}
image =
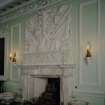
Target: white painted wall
{"points": [[89, 78], [91, 86]]}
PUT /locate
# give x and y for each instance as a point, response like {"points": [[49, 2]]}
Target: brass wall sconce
{"points": [[12, 57], [88, 53]]}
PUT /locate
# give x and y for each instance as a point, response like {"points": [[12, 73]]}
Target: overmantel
{"points": [[47, 70]]}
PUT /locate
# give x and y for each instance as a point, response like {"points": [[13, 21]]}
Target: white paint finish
{"points": [[102, 40], [89, 73], [27, 8], [67, 88], [49, 30], [43, 58], [75, 32], [48, 36], [15, 42], [27, 87], [91, 98], [48, 70], [90, 84]]}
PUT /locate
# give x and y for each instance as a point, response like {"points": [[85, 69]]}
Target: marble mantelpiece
{"points": [[35, 76], [47, 70]]}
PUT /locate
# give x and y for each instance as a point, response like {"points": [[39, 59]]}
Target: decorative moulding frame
{"points": [[28, 8], [17, 49], [99, 81]]}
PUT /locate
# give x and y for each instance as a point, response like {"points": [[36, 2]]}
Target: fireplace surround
{"points": [[35, 78]]}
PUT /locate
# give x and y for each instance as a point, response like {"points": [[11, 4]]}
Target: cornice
{"points": [[28, 8]]}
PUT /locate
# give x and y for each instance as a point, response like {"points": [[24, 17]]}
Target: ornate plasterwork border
{"points": [[29, 8]]}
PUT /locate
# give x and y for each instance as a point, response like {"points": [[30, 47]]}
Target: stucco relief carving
{"points": [[26, 9], [48, 35], [49, 30], [49, 58]]}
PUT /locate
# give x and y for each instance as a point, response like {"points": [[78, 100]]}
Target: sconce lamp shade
{"points": [[88, 54], [88, 51], [12, 57]]}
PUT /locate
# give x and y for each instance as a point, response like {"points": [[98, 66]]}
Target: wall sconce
{"points": [[88, 53], [12, 57]]}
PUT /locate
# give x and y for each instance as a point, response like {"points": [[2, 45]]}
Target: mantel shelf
{"points": [[60, 66], [47, 70]]}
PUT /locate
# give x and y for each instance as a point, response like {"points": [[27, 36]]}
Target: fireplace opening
{"points": [[51, 95]]}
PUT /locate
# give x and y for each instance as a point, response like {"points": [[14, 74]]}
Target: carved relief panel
{"points": [[48, 33]]}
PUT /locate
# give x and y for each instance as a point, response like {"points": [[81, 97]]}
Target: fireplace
{"points": [[38, 78]]}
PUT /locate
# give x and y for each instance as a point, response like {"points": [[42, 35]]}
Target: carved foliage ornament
{"points": [[49, 30]]}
